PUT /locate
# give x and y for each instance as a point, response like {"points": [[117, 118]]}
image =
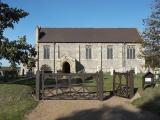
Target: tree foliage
{"points": [[151, 36], [9, 16], [16, 51]]}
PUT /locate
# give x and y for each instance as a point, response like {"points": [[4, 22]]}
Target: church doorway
{"points": [[66, 67]]}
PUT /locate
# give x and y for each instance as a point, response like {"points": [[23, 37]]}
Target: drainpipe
{"points": [[37, 42], [79, 54], [101, 57], [54, 56], [38, 57], [124, 55]]}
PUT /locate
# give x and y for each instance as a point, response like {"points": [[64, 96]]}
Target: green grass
{"points": [[138, 82], [108, 82], [150, 97], [150, 100], [15, 101]]}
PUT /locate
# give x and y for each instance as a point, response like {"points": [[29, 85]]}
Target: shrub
{"points": [[45, 67], [8, 74]]}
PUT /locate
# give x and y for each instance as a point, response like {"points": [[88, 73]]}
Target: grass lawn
{"points": [[15, 101], [150, 100], [108, 82]]}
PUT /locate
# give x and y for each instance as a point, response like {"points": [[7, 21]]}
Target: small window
{"points": [[130, 52], [88, 52], [110, 52], [46, 51]]}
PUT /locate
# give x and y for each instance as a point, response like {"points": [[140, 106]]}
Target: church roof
{"points": [[89, 35]]}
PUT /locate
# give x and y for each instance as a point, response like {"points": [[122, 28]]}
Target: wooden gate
{"points": [[69, 85], [123, 84]]}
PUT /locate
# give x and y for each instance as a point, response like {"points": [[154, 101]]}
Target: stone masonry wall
{"points": [[75, 55]]}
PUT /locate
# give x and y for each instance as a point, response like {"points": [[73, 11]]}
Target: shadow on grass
{"points": [[110, 113], [135, 90], [153, 105], [31, 82], [149, 86], [28, 82]]}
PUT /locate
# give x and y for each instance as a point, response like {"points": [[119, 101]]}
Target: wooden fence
{"points": [[123, 84], [69, 85]]}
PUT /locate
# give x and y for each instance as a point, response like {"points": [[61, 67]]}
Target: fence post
{"points": [[114, 75], [38, 85], [143, 80], [131, 83], [83, 81], [42, 85], [128, 84], [97, 83], [100, 85], [70, 85]]}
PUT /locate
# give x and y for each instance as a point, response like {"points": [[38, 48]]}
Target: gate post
{"points": [[42, 85], [100, 85], [114, 76], [38, 85], [143, 80], [128, 84], [131, 83]]}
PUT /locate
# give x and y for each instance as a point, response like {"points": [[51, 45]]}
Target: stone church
{"points": [[73, 50]]}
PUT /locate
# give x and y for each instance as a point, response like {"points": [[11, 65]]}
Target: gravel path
{"points": [[115, 108]]}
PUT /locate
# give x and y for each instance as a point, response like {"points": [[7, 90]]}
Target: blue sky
{"points": [[77, 13]]}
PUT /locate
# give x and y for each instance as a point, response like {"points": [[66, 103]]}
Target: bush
{"points": [[45, 67], [8, 74]]}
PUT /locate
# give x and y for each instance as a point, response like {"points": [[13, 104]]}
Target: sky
{"points": [[77, 14]]}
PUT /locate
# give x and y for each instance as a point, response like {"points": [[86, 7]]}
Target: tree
{"points": [[9, 16], [16, 51], [151, 36]]}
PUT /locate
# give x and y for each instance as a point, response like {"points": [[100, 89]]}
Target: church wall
{"points": [[77, 51]]}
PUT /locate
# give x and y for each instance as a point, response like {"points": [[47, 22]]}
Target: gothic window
{"points": [[88, 52], [110, 52], [46, 51], [130, 52]]}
